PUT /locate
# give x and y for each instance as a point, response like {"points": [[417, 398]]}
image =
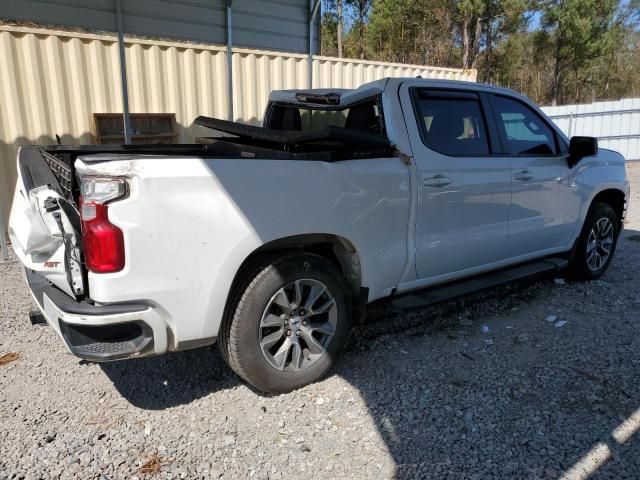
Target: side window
{"points": [[526, 133], [452, 125]]}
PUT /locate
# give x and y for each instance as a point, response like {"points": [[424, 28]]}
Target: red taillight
{"points": [[102, 241]]}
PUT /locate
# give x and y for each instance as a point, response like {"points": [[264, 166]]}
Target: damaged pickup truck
{"points": [[271, 239]]}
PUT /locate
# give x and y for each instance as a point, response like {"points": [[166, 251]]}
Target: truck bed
{"points": [[53, 164]]}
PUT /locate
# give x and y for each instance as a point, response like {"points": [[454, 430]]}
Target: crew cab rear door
{"points": [[44, 226]]}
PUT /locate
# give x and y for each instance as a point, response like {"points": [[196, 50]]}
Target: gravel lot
{"points": [[426, 395]]}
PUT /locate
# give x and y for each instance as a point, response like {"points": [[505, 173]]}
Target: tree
{"points": [[580, 31], [340, 26], [413, 31], [550, 50], [484, 23], [503, 18], [361, 9], [615, 74], [471, 13], [332, 27], [329, 34]]}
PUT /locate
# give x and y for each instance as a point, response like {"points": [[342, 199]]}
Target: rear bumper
{"points": [[100, 333]]}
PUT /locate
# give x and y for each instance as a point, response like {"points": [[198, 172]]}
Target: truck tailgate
{"points": [[44, 226]]}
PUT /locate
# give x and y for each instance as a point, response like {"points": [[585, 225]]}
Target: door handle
{"points": [[437, 181], [523, 176]]}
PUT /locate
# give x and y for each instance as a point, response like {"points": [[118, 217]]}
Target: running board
{"points": [[440, 293]]}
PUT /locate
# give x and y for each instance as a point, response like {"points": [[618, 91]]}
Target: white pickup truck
{"points": [[271, 239]]}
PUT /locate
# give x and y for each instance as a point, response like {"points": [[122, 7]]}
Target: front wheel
{"points": [[287, 323], [596, 244]]}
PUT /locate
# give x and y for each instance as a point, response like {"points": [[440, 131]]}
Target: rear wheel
{"points": [[596, 244], [287, 323]]}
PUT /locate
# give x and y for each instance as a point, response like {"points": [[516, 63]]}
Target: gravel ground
{"points": [[427, 395]]}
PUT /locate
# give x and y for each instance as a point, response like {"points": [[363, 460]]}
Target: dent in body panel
{"points": [[606, 171], [192, 222]]}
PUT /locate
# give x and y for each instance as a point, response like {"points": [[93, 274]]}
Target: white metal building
{"points": [[616, 124]]}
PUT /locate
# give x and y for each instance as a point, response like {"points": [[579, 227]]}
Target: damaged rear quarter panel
{"points": [[190, 222]]}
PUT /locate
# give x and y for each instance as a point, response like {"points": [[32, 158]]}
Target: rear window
{"points": [[364, 117], [453, 126], [315, 120]]}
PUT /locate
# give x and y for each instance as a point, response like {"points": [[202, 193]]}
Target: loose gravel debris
{"points": [[9, 357], [414, 396], [151, 466]]}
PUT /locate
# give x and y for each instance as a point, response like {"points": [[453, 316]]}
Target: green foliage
{"points": [[552, 50], [412, 31], [329, 34], [581, 31]]}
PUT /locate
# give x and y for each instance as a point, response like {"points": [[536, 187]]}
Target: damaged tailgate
{"points": [[44, 226]]}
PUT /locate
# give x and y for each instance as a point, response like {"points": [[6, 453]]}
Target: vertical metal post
{"points": [[3, 236], [123, 75], [570, 125], [314, 6], [229, 61], [339, 12]]}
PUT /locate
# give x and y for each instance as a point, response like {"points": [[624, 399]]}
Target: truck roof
{"points": [[351, 96]]}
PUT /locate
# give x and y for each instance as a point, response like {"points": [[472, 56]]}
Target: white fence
{"points": [[615, 124]]}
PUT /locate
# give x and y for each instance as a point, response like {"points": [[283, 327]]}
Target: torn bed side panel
{"points": [[294, 137]]}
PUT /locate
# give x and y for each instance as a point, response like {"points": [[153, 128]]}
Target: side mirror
{"points": [[580, 147]]}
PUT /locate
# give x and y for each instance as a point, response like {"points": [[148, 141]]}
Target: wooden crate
{"points": [[145, 128]]}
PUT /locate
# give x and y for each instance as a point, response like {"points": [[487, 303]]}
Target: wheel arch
{"points": [[335, 248], [615, 198]]}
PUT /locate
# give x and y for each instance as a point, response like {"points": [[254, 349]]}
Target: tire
{"points": [[602, 226], [263, 307]]}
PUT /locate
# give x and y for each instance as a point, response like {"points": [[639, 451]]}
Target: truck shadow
{"points": [[538, 402], [156, 383], [177, 378]]}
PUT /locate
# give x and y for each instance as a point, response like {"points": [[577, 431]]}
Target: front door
{"points": [[463, 188], [545, 204]]}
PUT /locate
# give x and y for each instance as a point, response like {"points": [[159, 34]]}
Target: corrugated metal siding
{"points": [[331, 72], [92, 15], [266, 24], [52, 83], [615, 124]]}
